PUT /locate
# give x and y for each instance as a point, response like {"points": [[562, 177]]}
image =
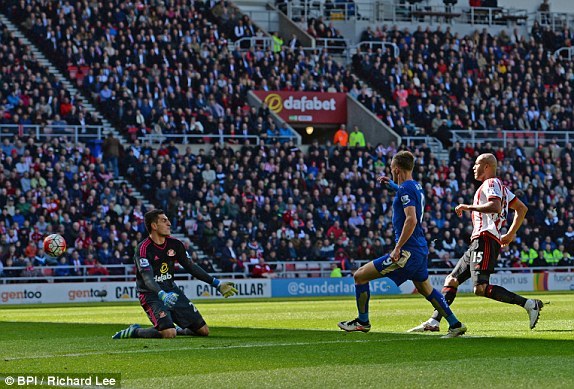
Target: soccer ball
{"points": [[54, 245]]}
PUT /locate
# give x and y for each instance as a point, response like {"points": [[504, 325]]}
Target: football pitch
{"points": [[296, 343]]}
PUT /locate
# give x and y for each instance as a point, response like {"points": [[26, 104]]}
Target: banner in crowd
{"points": [[254, 288], [306, 107]]}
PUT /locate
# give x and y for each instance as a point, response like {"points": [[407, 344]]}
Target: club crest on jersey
{"points": [[144, 262], [405, 199], [171, 253]]}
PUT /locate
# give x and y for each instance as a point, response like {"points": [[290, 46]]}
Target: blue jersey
{"points": [[410, 194]]}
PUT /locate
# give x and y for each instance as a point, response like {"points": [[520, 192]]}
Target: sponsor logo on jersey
{"points": [[171, 253], [156, 258], [405, 199], [164, 268], [144, 262], [163, 277]]}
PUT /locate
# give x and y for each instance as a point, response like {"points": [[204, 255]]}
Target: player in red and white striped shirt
{"points": [[489, 212]]}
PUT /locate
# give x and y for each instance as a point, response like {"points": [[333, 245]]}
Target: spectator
{"points": [[341, 136], [357, 138], [262, 270]]}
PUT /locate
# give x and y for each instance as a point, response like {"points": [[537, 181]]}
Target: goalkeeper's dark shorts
{"points": [[184, 313]]}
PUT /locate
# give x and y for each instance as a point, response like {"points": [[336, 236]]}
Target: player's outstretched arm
{"points": [[521, 209], [227, 288]]}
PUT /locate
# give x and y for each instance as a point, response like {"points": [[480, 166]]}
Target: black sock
{"points": [[498, 293], [449, 293], [185, 331], [146, 333]]}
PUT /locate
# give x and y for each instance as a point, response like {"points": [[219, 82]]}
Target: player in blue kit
{"points": [[408, 260]]}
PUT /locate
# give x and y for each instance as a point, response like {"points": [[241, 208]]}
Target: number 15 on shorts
{"points": [[476, 258]]}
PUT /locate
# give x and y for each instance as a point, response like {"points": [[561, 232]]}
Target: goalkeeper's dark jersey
{"points": [[160, 260]]}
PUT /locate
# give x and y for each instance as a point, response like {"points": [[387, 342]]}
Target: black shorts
{"points": [[478, 261], [184, 313]]}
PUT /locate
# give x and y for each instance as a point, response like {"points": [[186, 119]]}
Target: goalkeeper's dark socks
{"points": [[184, 331], [146, 333], [498, 293], [363, 295]]}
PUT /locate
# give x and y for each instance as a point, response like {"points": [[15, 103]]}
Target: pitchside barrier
{"points": [[253, 288]]}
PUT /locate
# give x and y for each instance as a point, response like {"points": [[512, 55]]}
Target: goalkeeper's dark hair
{"points": [[151, 217]]}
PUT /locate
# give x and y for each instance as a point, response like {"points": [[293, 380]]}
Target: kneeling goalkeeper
{"points": [[161, 299]]}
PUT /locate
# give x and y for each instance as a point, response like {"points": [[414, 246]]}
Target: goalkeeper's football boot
{"points": [[127, 333], [431, 325], [355, 325]]}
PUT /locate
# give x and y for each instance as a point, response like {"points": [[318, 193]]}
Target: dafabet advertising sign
{"points": [[306, 107]]}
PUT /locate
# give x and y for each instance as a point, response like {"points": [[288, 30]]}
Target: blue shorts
{"points": [[414, 268]]}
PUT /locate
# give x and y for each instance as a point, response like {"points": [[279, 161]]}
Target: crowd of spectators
{"points": [[160, 69], [282, 204], [29, 94], [265, 203], [164, 69], [480, 82], [61, 187]]}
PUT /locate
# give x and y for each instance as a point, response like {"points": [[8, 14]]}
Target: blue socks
{"points": [[439, 303], [363, 295]]}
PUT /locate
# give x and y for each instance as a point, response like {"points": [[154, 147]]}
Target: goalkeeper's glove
{"points": [[168, 298], [227, 289]]}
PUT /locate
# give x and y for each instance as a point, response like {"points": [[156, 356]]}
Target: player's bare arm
{"points": [[408, 228], [520, 209], [492, 206]]}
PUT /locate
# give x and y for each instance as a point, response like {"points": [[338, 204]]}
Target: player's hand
{"points": [[382, 179], [460, 209], [506, 239], [395, 254], [227, 289], [386, 180], [169, 299]]}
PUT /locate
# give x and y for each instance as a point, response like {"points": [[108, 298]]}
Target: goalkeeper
{"points": [[166, 306]]}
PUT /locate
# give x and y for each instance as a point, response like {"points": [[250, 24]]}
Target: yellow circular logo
{"points": [[274, 102], [163, 269]]}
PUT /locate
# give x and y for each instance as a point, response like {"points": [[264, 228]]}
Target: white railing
{"points": [[259, 42], [375, 45], [47, 132], [504, 138], [300, 269], [306, 9], [239, 139], [557, 21], [565, 53], [391, 11]]}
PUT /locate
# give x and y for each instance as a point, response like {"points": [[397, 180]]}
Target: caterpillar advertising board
{"points": [[262, 288], [306, 107]]}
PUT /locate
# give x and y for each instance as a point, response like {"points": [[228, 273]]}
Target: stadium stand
{"points": [[29, 94], [479, 82], [176, 74], [273, 200]]}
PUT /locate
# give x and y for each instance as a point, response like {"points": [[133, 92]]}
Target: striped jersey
{"points": [[491, 223]]}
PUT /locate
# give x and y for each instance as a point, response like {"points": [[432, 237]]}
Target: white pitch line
{"points": [[239, 346]]}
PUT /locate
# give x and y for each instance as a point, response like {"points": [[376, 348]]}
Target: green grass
{"points": [[295, 343]]}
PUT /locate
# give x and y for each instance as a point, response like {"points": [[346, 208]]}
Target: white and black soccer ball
{"points": [[54, 245]]}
